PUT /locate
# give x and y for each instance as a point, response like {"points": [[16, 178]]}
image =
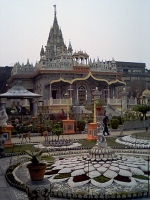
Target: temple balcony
{"points": [[52, 101], [118, 101], [113, 101]]}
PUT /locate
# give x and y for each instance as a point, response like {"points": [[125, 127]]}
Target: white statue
{"points": [[101, 140], [3, 116]]}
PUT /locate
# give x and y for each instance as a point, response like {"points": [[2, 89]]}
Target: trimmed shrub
{"points": [[80, 125], [119, 119], [14, 132], [114, 123]]}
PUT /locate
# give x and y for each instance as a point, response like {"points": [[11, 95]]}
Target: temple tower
{"points": [[55, 43]]}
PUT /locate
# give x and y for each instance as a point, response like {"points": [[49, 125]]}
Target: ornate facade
{"points": [[62, 72]]}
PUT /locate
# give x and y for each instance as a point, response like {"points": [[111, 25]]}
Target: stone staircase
{"points": [[111, 111], [81, 110]]}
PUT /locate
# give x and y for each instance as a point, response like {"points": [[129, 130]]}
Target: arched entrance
{"points": [[82, 95], [54, 91]]}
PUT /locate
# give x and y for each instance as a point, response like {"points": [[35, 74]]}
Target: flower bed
{"points": [[51, 172], [101, 179], [122, 178], [80, 178], [12, 180], [63, 175]]}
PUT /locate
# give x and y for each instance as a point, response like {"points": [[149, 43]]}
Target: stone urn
{"points": [[39, 190]]}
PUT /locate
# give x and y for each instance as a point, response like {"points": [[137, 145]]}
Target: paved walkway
{"points": [[6, 191], [9, 193], [73, 136]]}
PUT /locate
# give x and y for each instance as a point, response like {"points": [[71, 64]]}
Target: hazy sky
{"points": [[102, 28]]}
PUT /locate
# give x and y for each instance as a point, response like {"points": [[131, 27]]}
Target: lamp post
{"points": [[92, 127], [67, 96], [68, 124], [96, 94]]}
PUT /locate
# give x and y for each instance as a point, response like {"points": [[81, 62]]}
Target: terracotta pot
{"points": [[37, 171]]}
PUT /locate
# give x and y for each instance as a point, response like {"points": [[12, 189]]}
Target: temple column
{"points": [[25, 102], [35, 107], [59, 92], [31, 106], [70, 93], [77, 95], [124, 95], [50, 94], [3, 102], [113, 92], [108, 92], [108, 98], [88, 95]]}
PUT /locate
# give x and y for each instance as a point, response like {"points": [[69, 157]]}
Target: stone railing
{"points": [[118, 101], [114, 101], [57, 102]]}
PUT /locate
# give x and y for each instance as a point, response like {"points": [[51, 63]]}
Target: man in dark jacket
{"points": [[105, 122]]}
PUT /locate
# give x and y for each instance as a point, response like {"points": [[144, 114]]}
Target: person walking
{"points": [[105, 122]]}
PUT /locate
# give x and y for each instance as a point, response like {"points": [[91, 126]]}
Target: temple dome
{"points": [[146, 92]]}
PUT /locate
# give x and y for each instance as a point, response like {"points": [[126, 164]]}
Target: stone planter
{"points": [[39, 190]]}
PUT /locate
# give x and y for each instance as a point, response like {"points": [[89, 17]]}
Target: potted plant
{"points": [[99, 104], [36, 167]]}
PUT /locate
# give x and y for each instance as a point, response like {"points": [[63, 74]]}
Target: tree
{"points": [[143, 109], [136, 87], [98, 104], [57, 130]]}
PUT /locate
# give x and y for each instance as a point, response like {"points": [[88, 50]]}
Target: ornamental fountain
{"points": [[100, 174]]}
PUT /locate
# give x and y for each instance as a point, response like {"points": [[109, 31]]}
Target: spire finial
{"points": [[54, 10]]}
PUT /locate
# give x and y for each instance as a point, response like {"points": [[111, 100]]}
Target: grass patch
{"points": [[101, 179], [110, 141], [20, 148], [84, 143], [140, 177], [141, 134], [48, 158], [63, 175], [87, 143]]}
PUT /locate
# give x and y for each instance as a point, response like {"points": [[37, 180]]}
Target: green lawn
{"points": [[19, 148], [48, 158], [110, 142], [141, 134], [85, 143]]}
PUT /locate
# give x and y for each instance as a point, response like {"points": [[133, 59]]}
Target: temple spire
{"points": [[55, 17], [54, 10]]}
